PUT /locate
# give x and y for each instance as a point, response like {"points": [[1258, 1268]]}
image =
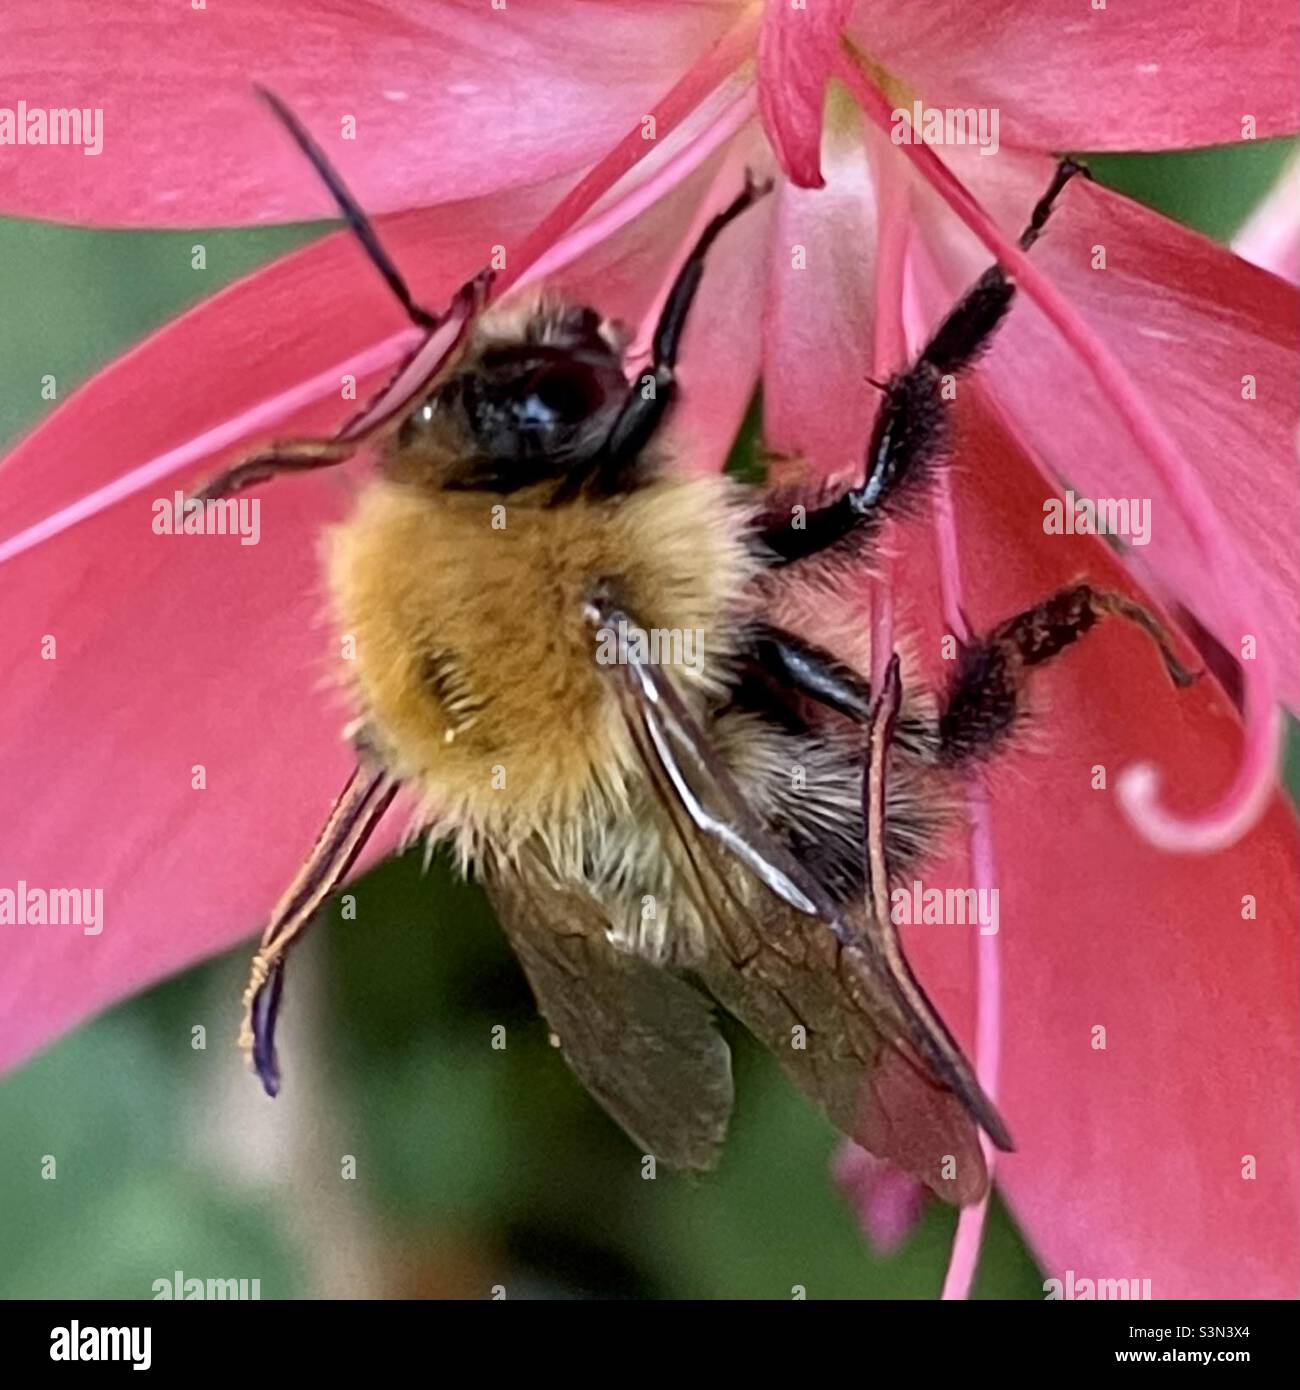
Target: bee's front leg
{"points": [[909, 435], [288, 456], [649, 397]]}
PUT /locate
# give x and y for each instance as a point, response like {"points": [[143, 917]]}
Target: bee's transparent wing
{"points": [[827, 1020], [827, 990], [641, 1040]]}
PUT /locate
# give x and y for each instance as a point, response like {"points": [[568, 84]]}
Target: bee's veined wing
{"points": [[828, 1021], [642, 1041], [828, 991]]}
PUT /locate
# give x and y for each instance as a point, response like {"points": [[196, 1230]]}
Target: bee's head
{"points": [[533, 397]]}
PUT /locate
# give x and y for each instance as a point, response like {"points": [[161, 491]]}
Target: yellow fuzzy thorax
{"points": [[475, 669]]}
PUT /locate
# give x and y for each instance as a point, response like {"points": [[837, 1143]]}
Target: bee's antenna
{"points": [[361, 226]]}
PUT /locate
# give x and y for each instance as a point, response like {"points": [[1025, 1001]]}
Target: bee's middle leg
{"points": [[985, 698]]}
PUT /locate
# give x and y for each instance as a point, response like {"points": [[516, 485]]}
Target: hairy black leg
{"points": [[649, 397], [983, 701], [908, 437]]}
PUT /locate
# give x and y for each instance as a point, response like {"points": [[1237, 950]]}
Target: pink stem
{"points": [[988, 1032], [1235, 812], [705, 76], [988, 965], [645, 195], [257, 419]]}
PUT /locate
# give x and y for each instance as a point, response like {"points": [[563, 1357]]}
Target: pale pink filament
{"points": [[259, 419], [988, 965], [988, 1017], [1270, 237], [704, 77], [631, 205]]}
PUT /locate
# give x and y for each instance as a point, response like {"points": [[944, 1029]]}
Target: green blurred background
{"points": [[474, 1167]]}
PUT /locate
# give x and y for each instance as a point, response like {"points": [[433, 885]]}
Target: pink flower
{"points": [[471, 127]]}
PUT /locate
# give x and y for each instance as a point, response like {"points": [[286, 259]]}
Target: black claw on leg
{"points": [[360, 807], [755, 188], [1182, 676], [909, 436], [265, 1012], [1065, 171]]}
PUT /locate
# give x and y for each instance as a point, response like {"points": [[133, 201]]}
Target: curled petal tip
{"points": [[797, 48], [1138, 789]]}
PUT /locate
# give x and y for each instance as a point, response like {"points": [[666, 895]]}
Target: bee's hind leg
{"points": [[983, 702]]}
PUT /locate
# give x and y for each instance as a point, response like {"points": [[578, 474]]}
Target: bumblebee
{"points": [[660, 837]]}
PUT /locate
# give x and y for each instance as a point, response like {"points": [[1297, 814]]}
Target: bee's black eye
{"points": [[531, 411], [561, 393]]}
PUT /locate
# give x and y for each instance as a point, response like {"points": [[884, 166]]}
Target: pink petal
{"points": [[172, 652], [983, 877], [888, 1201], [818, 327], [796, 48], [450, 100], [1129, 1160], [1063, 75], [1232, 604], [1228, 606]]}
